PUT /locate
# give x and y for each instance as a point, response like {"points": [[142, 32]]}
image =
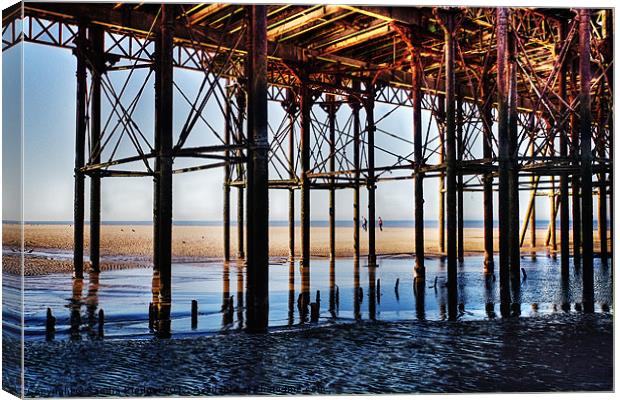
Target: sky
{"points": [[49, 134]]}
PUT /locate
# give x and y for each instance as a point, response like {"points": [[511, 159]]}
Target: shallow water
{"points": [[399, 342], [124, 295]]}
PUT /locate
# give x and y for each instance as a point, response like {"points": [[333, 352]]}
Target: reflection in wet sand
{"points": [[419, 288], [240, 278], [92, 302], [291, 293], [357, 296], [75, 306]]}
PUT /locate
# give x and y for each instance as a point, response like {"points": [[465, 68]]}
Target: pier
{"points": [[503, 100]]}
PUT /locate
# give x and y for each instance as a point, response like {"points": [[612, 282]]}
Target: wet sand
{"points": [[365, 357], [131, 246]]}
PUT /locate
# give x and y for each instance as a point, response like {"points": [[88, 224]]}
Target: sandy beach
{"points": [[124, 246]]}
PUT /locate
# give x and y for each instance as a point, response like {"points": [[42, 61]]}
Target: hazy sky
{"points": [[49, 130]]}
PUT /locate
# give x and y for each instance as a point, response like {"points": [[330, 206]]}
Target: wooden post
{"points": [[80, 139], [50, 325], [487, 153], [504, 154], [370, 183], [101, 322], [416, 99], [257, 293], [194, 314], [163, 124], [97, 68], [585, 119]]}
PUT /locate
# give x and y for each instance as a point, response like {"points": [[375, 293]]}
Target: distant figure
{"points": [[380, 221], [364, 224]]}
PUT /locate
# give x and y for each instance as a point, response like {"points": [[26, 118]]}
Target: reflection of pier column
{"points": [[419, 286], [257, 270], [504, 154], [163, 124], [92, 300], [75, 305], [80, 139], [357, 299], [97, 43], [416, 99], [370, 184], [585, 119], [291, 292], [372, 293], [240, 294], [332, 288], [227, 316]]}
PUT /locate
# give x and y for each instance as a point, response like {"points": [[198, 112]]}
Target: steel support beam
{"points": [[451, 167], [416, 98], [227, 171], [257, 292], [97, 65], [460, 186], [355, 108], [575, 181], [564, 178], [487, 153], [585, 129], [80, 140], [241, 106], [163, 127], [370, 181], [503, 88], [441, 222], [305, 106], [291, 110], [331, 109]]}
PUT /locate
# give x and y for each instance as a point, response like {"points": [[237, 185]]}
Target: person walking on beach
{"points": [[364, 224], [380, 221]]}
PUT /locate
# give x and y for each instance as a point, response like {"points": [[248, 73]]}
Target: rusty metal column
{"points": [[97, 67], [355, 110], [441, 223], [586, 158], [575, 181], [80, 140], [460, 186], [305, 109], [163, 115], [450, 144], [487, 153], [226, 185], [241, 105], [416, 100], [602, 186], [331, 109], [257, 293], [534, 182], [291, 109], [504, 154], [564, 210], [371, 184], [513, 170]]}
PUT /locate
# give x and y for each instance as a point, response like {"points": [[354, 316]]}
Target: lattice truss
{"points": [[351, 55]]}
